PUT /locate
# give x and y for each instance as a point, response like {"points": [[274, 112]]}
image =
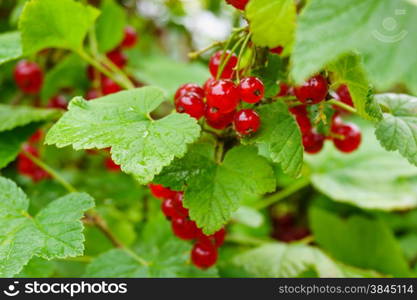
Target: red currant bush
{"points": [[247, 121]]}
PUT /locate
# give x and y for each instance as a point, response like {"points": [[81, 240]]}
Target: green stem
{"points": [[343, 105], [107, 62], [136, 257], [84, 55], [52, 172], [195, 54], [226, 59], [288, 191], [239, 58], [246, 240]]}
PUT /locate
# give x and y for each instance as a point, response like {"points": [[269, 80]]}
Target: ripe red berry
{"points": [[111, 165], [161, 192], [247, 121], [92, 94], [344, 95], [59, 102], [204, 255], [217, 60], [284, 90], [217, 120], [191, 104], [172, 207], [223, 95], [108, 86], [28, 76], [26, 166], [36, 137], [216, 239], [350, 137], [184, 228], [301, 116], [117, 57], [251, 89], [313, 91], [130, 38], [278, 50], [207, 84], [313, 142], [239, 4], [189, 88]]}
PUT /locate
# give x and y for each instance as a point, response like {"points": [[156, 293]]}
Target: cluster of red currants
{"points": [[345, 136], [25, 164], [204, 252], [219, 99], [239, 4], [106, 85]]}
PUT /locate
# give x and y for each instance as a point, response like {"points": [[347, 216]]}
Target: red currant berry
{"points": [[247, 121], [108, 86], [278, 50], [251, 89], [36, 137], [239, 4], [284, 90], [184, 228], [130, 38], [169, 209], [301, 116], [313, 91], [191, 104], [25, 165], [28, 76], [161, 192], [217, 239], [92, 94], [59, 102], [207, 84], [217, 60], [313, 142], [344, 95], [189, 88], [39, 175], [111, 165], [117, 57], [178, 198], [223, 95], [204, 255], [348, 137], [217, 120]]}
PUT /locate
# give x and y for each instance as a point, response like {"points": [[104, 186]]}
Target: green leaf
{"points": [[110, 25], [292, 260], [272, 22], [383, 31], [349, 71], [141, 146], [70, 72], [370, 178], [213, 191], [11, 141], [398, 129], [359, 241], [55, 24], [281, 135], [158, 70], [164, 255], [56, 232], [15, 116], [37, 268], [271, 74], [10, 47]]}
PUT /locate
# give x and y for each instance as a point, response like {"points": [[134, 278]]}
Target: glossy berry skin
{"points": [[313, 91], [239, 4], [191, 104], [111, 165], [184, 228], [216, 61], [130, 38], [217, 120], [251, 89], [189, 88], [216, 239], [28, 76], [59, 102], [301, 116], [108, 86], [247, 121], [278, 50], [351, 137], [36, 137], [173, 208], [284, 90], [161, 192], [27, 167], [117, 57], [204, 255], [207, 84], [344, 95], [223, 95], [313, 142]]}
